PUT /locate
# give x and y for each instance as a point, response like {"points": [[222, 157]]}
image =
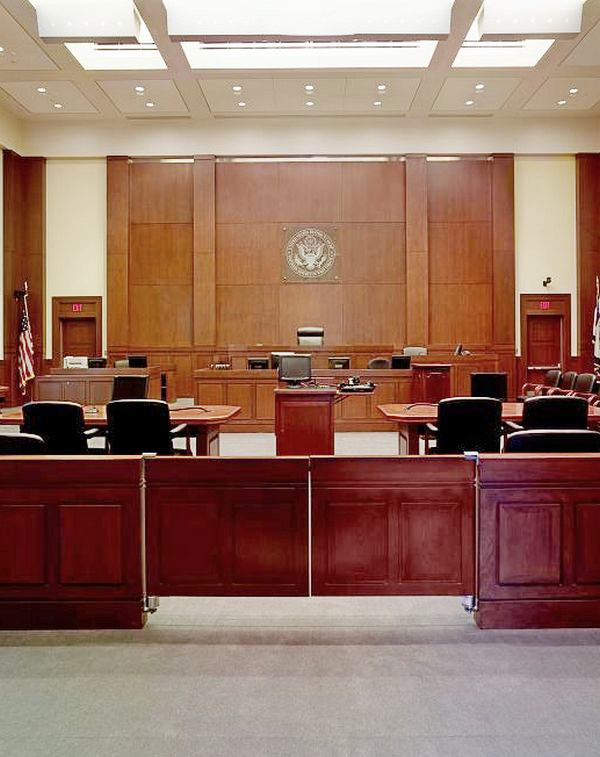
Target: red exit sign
{"points": [[544, 304], [77, 307]]}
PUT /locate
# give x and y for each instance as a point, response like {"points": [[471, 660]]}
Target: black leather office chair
{"points": [[490, 385], [553, 440], [22, 444], [556, 411], [567, 380], [60, 424], [137, 426], [584, 382], [466, 424], [380, 363], [130, 387]]}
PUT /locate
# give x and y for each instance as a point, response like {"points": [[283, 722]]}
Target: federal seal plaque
{"points": [[309, 254]]}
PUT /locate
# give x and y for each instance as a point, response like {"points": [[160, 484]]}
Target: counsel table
{"points": [[410, 417], [205, 422]]}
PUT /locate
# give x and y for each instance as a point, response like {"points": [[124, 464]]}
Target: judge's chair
{"points": [[311, 336]]}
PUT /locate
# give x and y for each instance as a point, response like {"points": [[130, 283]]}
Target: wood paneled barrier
{"points": [[393, 526], [195, 267], [227, 527], [539, 532], [588, 248], [70, 543]]}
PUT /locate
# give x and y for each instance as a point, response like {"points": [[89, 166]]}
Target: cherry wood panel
{"points": [[249, 253], [304, 421], [460, 313], [417, 252], [247, 314], [373, 191], [460, 253], [311, 305], [70, 536], [459, 191], [374, 313], [93, 386], [392, 526], [503, 243], [309, 192], [588, 248], [372, 252], [160, 253], [160, 192], [227, 527], [246, 192], [204, 276], [538, 538], [161, 315]]}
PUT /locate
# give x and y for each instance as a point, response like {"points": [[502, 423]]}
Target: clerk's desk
{"points": [[93, 386]]}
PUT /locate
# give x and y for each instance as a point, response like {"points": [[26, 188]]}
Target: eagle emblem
{"points": [[310, 253]]}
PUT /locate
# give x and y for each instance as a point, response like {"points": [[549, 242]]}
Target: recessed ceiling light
{"points": [[377, 102], [140, 90], [469, 102], [381, 87], [242, 104], [149, 104], [58, 105], [236, 88], [309, 87], [1, 49], [310, 103], [561, 102], [41, 90], [573, 91], [479, 87]]}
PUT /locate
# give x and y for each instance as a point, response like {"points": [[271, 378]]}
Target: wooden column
{"points": [[588, 249], [204, 294], [117, 175], [417, 255]]}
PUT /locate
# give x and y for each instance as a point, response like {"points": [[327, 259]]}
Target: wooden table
{"points": [[205, 420], [410, 417]]}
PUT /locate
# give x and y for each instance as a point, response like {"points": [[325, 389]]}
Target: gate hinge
{"points": [[469, 603], [151, 603]]}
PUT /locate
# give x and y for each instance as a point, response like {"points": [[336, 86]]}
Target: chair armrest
{"points": [[431, 429], [90, 433], [181, 430], [511, 426]]}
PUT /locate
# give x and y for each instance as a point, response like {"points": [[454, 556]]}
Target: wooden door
{"points": [[545, 334], [78, 337]]}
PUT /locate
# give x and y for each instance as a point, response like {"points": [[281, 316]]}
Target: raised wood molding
{"points": [[417, 252], [588, 249], [117, 248], [204, 262]]}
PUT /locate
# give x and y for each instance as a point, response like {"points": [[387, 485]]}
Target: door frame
{"points": [[558, 304], [62, 310]]}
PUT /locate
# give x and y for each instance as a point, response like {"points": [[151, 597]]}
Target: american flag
{"points": [[25, 350]]}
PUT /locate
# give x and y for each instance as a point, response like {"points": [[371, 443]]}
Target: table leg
{"points": [[207, 440], [408, 439]]}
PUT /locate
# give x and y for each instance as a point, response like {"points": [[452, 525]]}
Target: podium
{"points": [[431, 381], [304, 421]]}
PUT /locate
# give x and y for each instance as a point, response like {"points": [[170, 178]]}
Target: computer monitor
{"points": [[294, 369], [341, 363], [97, 362], [275, 358], [258, 363], [401, 361], [138, 361], [75, 361]]}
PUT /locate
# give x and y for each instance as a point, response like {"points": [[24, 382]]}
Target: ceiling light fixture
{"points": [[469, 102], [573, 91], [479, 87], [309, 87], [149, 104], [503, 20], [237, 88], [377, 102], [140, 90], [242, 104], [58, 105], [561, 102], [381, 87], [73, 21], [1, 49], [309, 103], [41, 90]]}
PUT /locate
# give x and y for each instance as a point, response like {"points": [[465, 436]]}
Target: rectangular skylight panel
{"points": [[309, 19], [309, 56], [78, 20], [519, 54], [97, 57], [528, 19]]}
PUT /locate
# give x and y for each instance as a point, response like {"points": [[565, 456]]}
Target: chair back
{"points": [[414, 351], [379, 362], [567, 380], [584, 382], [130, 387], [138, 426], [22, 444], [123, 363], [553, 440], [469, 424], [489, 385], [552, 377], [60, 424], [555, 411]]}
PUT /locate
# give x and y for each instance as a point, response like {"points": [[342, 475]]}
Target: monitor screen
{"points": [[138, 361], [294, 368], [97, 362], [258, 363], [342, 363], [275, 357], [401, 361]]}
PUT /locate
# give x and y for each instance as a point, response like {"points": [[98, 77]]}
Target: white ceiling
{"points": [[178, 91]]}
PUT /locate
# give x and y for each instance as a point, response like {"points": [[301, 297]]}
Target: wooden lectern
{"points": [[304, 421], [431, 381]]}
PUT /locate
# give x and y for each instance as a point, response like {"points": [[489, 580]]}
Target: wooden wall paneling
{"points": [[75, 556], [373, 191], [160, 192], [309, 192], [160, 315], [227, 527], [538, 564], [247, 314], [392, 526], [246, 192], [160, 253], [373, 313], [305, 304], [373, 253], [204, 277], [588, 248], [417, 254], [460, 313], [249, 253], [117, 226], [503, 251], [459, 191], [460, 253]]}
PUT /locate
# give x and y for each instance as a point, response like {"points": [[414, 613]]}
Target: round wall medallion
{"points": [[310, 253]]}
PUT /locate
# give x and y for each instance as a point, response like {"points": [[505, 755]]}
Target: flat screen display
{"points": [[295, 368]]}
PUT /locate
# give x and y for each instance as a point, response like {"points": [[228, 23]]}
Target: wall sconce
{"points": [[546, 281]]}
